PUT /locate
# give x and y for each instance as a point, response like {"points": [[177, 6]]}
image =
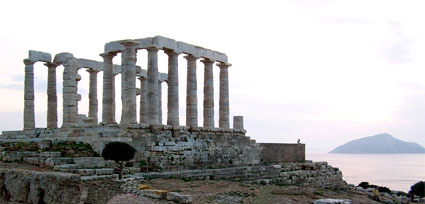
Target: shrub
{"points": [[119, 152]]}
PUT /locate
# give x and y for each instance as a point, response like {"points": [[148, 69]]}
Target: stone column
{"points": [[208, 93], [224, 96], [108, 99], [238, 122], [29, 112], [70, 92], [52, 99], [191, 95], [143, 100], [160, 102], [93, 95], [152, 88], [128, 78], [173, 88]]}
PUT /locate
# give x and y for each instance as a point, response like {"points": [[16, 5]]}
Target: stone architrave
{"points": [[93, 103], [128, 79], [108, 99], [191, 95], [29, 112], [143, 100], [173, 89], [224, 96], [152, 88], [208, 93], [52, 99]]}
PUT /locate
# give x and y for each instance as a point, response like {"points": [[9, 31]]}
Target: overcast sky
{"points": [[323, 71]]}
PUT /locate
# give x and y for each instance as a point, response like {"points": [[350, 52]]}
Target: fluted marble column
{"points": [[70, 93], [160, 102], [208, 93], [52, 99], [173, 88], [128, 94], [29, 112], [93, 103], [152, 88], [224, 95], [143, 100], [108, 99], [191, 95]]}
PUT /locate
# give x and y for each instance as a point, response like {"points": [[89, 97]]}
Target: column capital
{"points": [[191, 57], [108, 54], [51, 65], [152, 49], [223, 65], [207, 61], [129, 43], [171, 53], [28, 62], [92, 71]]}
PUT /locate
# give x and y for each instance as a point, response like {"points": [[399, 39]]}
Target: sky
{"points": [[322, 71]]}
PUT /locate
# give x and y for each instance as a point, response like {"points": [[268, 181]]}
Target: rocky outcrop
{"points": [[24, 186]]}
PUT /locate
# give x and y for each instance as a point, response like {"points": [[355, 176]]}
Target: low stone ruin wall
{"points": [[163, 147], [24, 186], [280, 152]]}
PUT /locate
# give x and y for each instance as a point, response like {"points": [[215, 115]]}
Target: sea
{"points": [[395, 171]]}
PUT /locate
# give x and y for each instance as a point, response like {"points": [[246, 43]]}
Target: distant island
{"points": [[379, 144]]}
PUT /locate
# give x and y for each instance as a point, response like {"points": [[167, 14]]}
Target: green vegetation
{"points": [[119, 152]]}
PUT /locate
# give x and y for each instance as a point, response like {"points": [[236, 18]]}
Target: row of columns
{"points": [[70, 87], [150, 100]]}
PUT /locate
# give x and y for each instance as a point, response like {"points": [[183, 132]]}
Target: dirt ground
{"points": [[209, 191]]}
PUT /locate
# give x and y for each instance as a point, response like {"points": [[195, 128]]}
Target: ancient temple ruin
{"points": [[193, 146]]}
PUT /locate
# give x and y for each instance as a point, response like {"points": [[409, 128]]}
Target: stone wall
{"points": [[100, 190], [278, 152], [24, 186], [162, 147]]}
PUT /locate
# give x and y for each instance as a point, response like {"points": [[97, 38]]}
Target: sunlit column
{"points": [[93, 103], [208, 93], [128, 77], [29, 112], [108, 99], [191, 95], [152, 88], [173, 88], [143, 100], [52, 99], [224, 95]]}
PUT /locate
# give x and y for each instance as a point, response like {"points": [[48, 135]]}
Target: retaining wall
{"points": [[279, 152]]}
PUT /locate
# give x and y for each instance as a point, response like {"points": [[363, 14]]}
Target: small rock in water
{"points": [[332, 201]]}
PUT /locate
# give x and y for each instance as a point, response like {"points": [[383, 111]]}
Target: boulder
{"points": [[179, 198]]}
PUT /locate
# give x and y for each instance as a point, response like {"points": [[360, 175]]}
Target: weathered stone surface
{"points": [[179, 198], [22, 186], [332, 201], [50, 154], [191, 93], [39, 56], [89, 162]]}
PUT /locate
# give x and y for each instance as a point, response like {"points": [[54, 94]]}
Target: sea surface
{"points": [[395, 171]]}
